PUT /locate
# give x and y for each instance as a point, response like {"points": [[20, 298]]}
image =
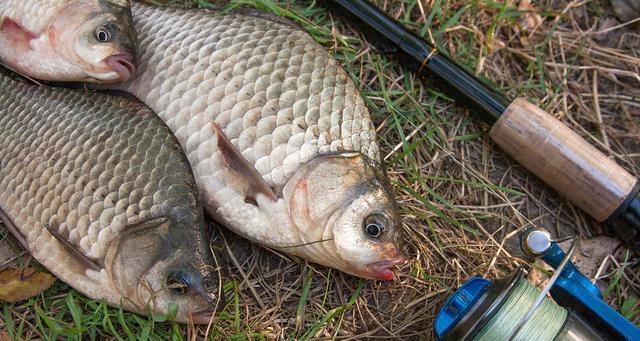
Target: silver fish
{"points": [[281, 143], [68, 40], [99, 191]]}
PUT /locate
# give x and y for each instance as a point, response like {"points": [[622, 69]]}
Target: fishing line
{"points": [[542, 296], [514, 309], [305, 244], [544, 324], [527, 313]]}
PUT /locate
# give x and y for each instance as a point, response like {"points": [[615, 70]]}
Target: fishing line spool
{"points": [[513, 309]]}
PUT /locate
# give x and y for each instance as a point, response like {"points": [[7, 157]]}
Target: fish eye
{"points": [[375, 225], [178, 282], [103, 35]]}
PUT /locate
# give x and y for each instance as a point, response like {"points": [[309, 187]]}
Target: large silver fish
{"points": [[68, 40], [281, 143], [99, 191]]}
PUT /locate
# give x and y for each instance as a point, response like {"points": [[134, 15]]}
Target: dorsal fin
{"points": [[86, 261], [237, 164]]}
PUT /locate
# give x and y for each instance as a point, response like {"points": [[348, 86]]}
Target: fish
{"points": [[282, 145], [99, 191], [69, 40]]}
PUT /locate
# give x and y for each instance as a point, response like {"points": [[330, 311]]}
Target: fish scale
{"points": [[31, 12], [281, 143], [52, 164], [68, 40], [277, 94], [87, 167]]}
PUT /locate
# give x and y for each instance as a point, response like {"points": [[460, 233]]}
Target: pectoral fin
{"points": [[240, 167], [82, 258], [18, 36]]}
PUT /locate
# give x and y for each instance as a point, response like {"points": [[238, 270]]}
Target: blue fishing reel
{"points": [[513, 309]]}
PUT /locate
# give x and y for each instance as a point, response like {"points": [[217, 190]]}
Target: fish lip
{"points": [[123, 64], [203, 316], [384, 270]]}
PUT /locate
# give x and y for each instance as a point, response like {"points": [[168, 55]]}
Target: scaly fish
{"points": [[100, 192], [281, 143], [68, 40]]}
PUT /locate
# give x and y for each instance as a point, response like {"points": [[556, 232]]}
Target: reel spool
{"points": [[513, 309], [482, 310]]}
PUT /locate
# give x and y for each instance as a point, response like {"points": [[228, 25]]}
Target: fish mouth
{"points": [[384, 270], [123, 64], [203, 316]]}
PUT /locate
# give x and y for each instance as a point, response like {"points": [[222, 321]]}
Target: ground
{"points": [[461, 198]]}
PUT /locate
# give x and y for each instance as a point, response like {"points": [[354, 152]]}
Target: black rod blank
{"points": [[492, 103]]}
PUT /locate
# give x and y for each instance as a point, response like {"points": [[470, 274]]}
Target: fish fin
{"points": [[11, 226], [16, 34], [86, 261], [241, 167]]}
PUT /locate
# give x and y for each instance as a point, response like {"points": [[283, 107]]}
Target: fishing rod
{"points": [[534, 138], [513, 309]]}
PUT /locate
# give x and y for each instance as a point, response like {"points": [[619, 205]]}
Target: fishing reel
{"points": [[513, 309]]}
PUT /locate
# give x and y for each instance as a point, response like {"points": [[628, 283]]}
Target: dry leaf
{"points": [[20, 284], [496, 45], [591, 252], [530, 19], [4, 336], [538, 278]]}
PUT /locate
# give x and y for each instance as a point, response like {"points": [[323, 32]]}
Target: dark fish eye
{"points": [[178, 282], [375, 225], [103, 35]]}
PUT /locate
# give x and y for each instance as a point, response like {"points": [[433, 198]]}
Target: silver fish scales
{"points": [[98, 190], [281, 143], [68, 40]]}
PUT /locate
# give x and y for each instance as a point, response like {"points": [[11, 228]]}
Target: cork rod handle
{"points": [[563, 159]]}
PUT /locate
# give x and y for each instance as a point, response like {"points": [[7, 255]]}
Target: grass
{"points": [[460, 197]]}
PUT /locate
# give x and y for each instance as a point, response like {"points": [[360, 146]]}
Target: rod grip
{"points": [[562, 159]]}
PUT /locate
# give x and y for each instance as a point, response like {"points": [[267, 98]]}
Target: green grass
{"points": [[429, 199]]}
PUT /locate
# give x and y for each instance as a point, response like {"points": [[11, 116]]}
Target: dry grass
{"points": [[461, 197]]}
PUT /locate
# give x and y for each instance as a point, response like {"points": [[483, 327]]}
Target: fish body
{"points": [[68, 40], [282, 145], [99, 191]]}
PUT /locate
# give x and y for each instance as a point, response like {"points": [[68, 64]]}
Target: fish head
{"points": [[343, 208], [97, 40], [163, 263], [365, 236]]}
